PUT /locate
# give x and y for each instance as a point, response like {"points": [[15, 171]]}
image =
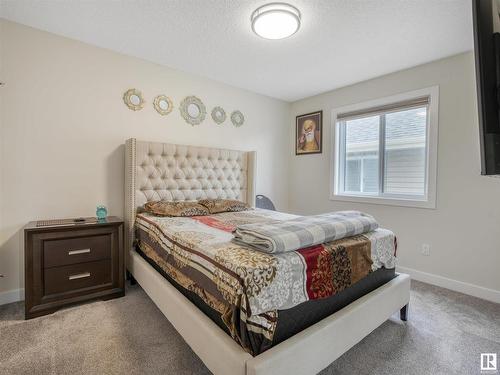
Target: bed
{"points": [[290, 331]]}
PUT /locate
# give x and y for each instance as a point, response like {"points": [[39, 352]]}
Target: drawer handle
{"points": [[79, 276], [75, 252]]}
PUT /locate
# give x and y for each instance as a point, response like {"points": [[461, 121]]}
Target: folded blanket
{"points": [[305, 231]]}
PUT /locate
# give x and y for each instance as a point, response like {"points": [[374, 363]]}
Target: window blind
{"points": [[366, 112]]}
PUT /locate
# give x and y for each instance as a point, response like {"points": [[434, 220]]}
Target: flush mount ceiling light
{"points": [[275, 21]]}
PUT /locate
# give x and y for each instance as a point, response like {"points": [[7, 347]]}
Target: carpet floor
{"points": [[445, 334]]}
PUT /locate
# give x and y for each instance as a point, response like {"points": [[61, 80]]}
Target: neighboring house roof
{"points": [[401, 125]]}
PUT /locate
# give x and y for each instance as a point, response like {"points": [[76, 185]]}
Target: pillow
{"points": [[166, 208], [216, 206]]}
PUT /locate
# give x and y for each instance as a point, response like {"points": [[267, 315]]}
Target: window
{"points": [[385, 150]]}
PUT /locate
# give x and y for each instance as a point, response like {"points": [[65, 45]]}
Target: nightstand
{"points": [[67, 263]]}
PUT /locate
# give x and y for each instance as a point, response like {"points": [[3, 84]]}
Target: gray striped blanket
{"points": [[304, 231]]}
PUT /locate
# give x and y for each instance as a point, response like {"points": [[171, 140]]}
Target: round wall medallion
{"points": [[163, 105], [133, 99], [193, 110], [237, 118], [218, 115]]}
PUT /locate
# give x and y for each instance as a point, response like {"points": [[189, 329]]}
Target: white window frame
{"points": [[362, 160], [429, 198]]}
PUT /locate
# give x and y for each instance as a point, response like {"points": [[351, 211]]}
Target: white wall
{"points": [[2, 139], [464, 229], [64, 123]]}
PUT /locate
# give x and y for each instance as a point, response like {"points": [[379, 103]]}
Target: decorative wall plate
{"points": [[218, 115], [133, 99], [237, 118], [163, 105], [193, 110]]}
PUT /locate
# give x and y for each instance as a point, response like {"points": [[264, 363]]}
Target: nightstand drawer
{"points": [[77, 276], [62, 252]]}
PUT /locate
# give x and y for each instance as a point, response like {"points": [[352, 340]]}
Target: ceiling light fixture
{"points": [[275, 21]]}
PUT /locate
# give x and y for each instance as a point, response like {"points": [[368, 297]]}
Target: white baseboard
{"points": [[458, 286], [444, 282], [11, 296]]}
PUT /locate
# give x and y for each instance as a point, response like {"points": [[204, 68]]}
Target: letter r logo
{"points": [[488, 361]]}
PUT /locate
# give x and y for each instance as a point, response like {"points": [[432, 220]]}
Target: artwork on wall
{"points": [[163, 105], [133, 99], [309, 133], [237, 118], [193, 110], [218, 115]]}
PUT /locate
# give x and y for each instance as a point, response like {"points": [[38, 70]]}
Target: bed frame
{"points": [[166, 171]]}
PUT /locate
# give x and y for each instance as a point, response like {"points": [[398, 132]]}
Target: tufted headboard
{"points": [[164, 171]]}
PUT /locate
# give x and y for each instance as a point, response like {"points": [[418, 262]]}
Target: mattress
{"points": [[262, 299]]}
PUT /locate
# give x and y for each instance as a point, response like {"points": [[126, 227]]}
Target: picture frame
{"points": [[309, 133]]}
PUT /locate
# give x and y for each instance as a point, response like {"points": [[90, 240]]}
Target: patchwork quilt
{"points": [[249, 287]]}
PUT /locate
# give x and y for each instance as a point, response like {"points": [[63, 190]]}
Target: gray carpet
{"points": [[446, 333]]}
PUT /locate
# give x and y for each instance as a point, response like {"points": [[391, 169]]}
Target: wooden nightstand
{"points": [[72, 263]]}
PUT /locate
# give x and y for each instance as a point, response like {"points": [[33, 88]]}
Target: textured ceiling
{"points": [[340, 42]]}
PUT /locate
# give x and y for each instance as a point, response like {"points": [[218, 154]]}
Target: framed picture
{"points": [[309, 133]]}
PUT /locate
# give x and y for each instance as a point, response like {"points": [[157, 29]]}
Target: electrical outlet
{"points": [[426, 249]]}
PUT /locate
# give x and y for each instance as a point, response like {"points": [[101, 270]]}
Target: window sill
{"points": [[428, 204]]}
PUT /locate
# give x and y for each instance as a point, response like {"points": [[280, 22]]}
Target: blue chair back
{"points": [[261, 201]]}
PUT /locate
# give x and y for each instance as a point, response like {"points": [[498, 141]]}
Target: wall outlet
{"points": [[426, 249]]}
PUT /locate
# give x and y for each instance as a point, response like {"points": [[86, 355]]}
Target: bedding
{"points": [[166, 208], [304, 231], [289, 321], [216, 206], [248, 288]]}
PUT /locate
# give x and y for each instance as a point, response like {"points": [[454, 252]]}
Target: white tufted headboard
{"points": [[164, 171]]}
